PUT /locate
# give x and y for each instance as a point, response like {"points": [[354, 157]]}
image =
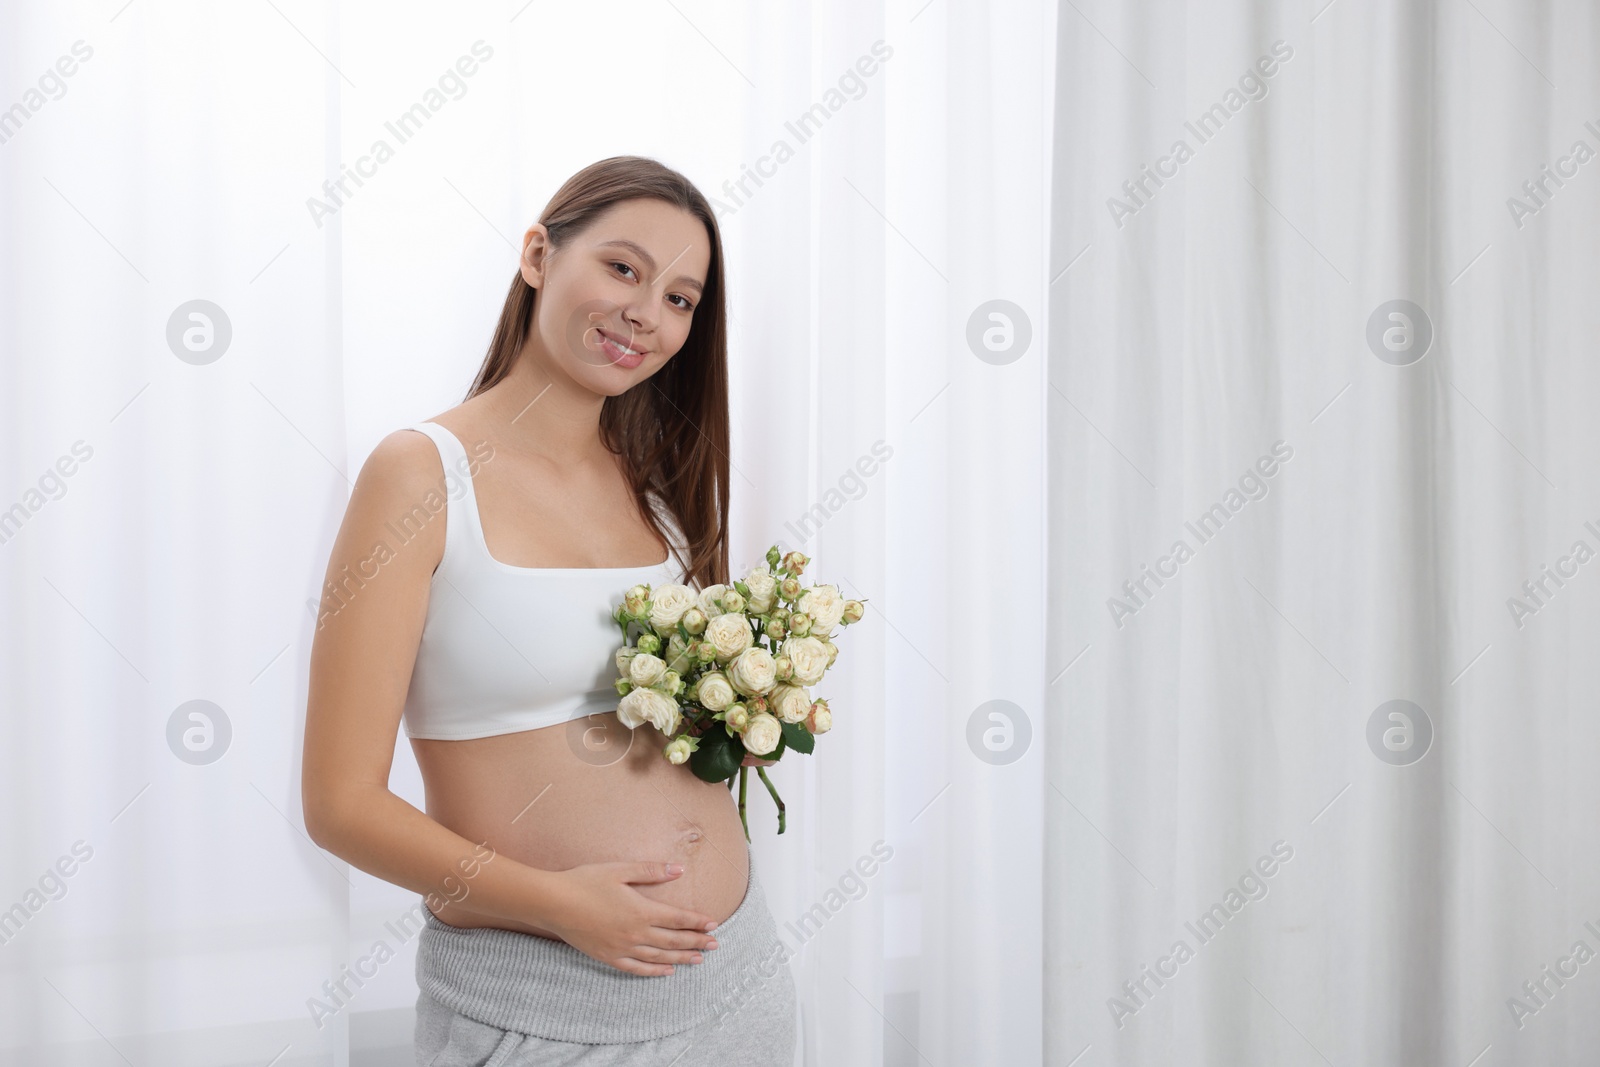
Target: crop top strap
{"points": [[461, 503]]}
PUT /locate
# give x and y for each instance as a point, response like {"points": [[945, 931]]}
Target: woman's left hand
{"points": [[756, 761]]}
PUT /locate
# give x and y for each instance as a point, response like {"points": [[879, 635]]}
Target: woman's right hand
{"points": [[602, 915]]}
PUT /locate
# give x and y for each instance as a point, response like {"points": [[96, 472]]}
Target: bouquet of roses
{"points": [[725, 672]]}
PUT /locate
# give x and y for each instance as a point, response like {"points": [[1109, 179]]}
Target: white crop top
{"points": [[509, 648]]}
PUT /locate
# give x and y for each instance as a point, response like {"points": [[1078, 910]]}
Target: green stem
{"points": [[743, 779], [776, 799]]}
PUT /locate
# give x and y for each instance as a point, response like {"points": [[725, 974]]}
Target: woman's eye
{"points": [[686, 305]]}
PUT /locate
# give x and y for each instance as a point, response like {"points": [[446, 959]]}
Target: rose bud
{"points": [[694, 620], [649, 643], [820, 721], [785, 668], [853, 610], [799, 624], [774, 629], [790, 588]]}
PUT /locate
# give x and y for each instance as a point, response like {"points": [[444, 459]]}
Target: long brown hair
{"points": [[670, 432]]}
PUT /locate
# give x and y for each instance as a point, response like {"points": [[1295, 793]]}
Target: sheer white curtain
{"points": [[176, 472], [913, 223], [1323, 515]]}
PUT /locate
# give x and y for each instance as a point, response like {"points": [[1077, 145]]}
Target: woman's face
{"points": [[616, 302]]}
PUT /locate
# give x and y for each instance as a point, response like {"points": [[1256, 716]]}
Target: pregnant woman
{"points": [[588, 902]]}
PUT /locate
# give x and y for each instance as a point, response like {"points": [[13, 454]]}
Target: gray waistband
{"points": [[535, 985]]}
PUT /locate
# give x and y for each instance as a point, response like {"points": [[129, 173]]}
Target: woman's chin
{"points": [[611, 379]]}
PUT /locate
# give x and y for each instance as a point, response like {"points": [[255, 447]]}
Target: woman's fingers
{"points": [[656, 954], [666, 937], [670, 918], [633, 966], [649, 871]]}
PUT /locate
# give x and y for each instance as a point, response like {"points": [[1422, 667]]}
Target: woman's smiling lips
{"points": [[619, 351]]}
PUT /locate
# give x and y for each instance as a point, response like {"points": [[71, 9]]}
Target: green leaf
{"points": [[797, 737], [718, 756]]}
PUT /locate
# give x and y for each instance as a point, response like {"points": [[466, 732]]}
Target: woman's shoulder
{"points": [[406, 460], [403, 472]]}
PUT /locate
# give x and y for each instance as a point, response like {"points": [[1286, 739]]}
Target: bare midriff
{"points": [[588, 791]]}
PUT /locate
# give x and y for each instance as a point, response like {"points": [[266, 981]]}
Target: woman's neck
{"points": [[546, 414]]}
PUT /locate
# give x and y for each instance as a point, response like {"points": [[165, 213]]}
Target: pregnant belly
{"points": [[588, 791]]}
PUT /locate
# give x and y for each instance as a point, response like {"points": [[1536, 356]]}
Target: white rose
{"points": [[762, 735], [763, 590], [667, 605], [642, 706], [729, 635], [715, 693], [790, 703], [825, 606], [808, 656], [753, 671], [646, 669], [677, 751], [707, 601]]}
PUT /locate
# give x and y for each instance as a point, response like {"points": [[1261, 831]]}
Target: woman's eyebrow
{"points": [[650, 261]]}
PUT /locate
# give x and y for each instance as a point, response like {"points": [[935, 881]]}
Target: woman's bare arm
{"points": [[362, 656]]}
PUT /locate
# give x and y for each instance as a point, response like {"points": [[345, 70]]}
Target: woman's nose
{"points": [[641, 314]]}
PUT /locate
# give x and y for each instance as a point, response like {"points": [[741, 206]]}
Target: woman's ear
{"points": [[535, 255]]}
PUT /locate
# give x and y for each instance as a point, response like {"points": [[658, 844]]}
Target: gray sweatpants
{"points": [[501, 998]]}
